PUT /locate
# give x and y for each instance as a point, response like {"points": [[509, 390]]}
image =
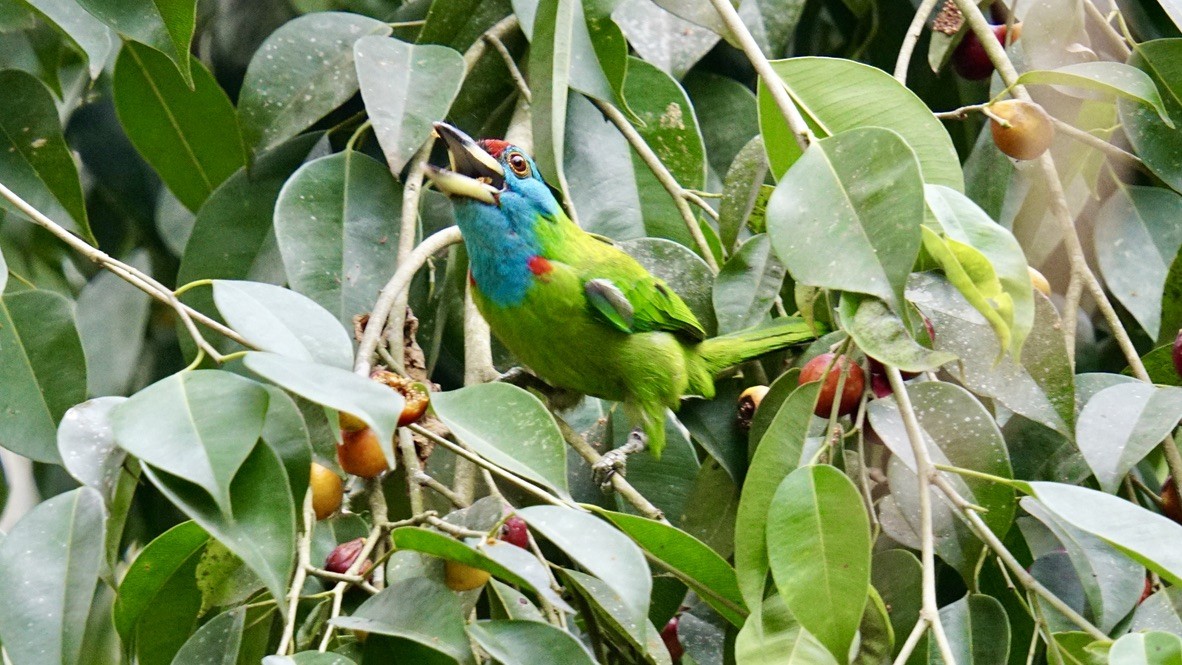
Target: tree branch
{"points": [[619, 483], [914, 31]]}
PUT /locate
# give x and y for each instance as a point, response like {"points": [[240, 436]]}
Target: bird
{"points": [[579, 312]]}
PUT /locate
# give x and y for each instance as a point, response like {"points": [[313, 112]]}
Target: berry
{"points": [[672, 641], [415, 396], [1039, 282], [1177, 353], [343, 556], [1171, 504], [462, 577], [855, 383], [327, 490], [515, 532], [360, 454], [748, 403], [350, 422], [970, 60], [1030, 128]]}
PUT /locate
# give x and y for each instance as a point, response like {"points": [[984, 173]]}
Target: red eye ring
{"points": [[518, 164]]}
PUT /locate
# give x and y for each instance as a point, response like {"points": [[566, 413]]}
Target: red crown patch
{"points": [[493, 147]]}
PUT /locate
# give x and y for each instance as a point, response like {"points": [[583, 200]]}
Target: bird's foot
{"points": [[616, 461]]}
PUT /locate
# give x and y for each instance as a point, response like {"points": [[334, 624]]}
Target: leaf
{"points": [[1171, 304], [188, 134], [405, 87], [35, 162], [818, 540], [50, 564], [1136, 237], [712, 425], [612, 615], [600, 549], [691, 561], [1041, 388], [777, 455], [286, 433], [1146, 537], [284, 322], [847, 214], [1146, 649], [91, 35], [836, 95], [509, 427], [772, 637], [665, 119], [877, 637], [1122, 424], [740, 190], [309, 658], [165, 25], [550, 64], [978, 631], [897, 575], [260, 526], [86, 442], [528, 642], [336, 222], [113, 344], [958, 431], [772, 23], [1161, 611], [1114, 78], [158, 601], [419, 609], [966, 223], [503, 560], [727, 115], [40, 362], [883, 336], [747, 285], [218, 641], [301, 72], [199, 425], [336, 388], [1156, 142], [223, 578], [665, 482], [671, 43], [972, 274]]}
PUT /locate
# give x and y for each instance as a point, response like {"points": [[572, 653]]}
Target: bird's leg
{"points": [[616, 461]]}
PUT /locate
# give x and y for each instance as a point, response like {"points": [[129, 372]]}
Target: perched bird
{"points": [[575, 309]]}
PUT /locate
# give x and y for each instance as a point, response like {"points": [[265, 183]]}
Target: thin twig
{"points": [[619, 483], [410, 467], [921, 627], [914, 31], [426, 480], [1114, 38], [1070, 320], [675, 190], [338, 591], [304, 549], [511, 65]]}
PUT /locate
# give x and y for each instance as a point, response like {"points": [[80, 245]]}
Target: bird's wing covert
{"points": [[643, 304]]}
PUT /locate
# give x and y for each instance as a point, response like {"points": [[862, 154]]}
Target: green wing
{"points": [[626, 296]]}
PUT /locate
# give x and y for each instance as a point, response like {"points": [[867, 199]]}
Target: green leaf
{"points": [[818, 541], [260, 526], [978, 631], [612, 615], [1080, 648], [966, 223], [336, 388], [898, 577], [777, 455], [418, 609], [747, 285], [666, 120], [691, 561], [286, 433], [405, 87], [86, 442], [40, 362], [671, 43], [1146, 649], [1136, 237], [218, 641], [1146, 537], [772, 637], [957, 431], [881, 334], [1122, 424], [113, 343], [309, 658], [501, 559], [513, 604], [301, 72], [198, 425], [740, 190], [509, 427], [223, 578], [49, 564], [1161, 611], [877, 637], [35, 162], [836, 95], [847, 214], [1157, 143], [165, 25], [772, 22], [1115, 78], [336, 221], [600, 549], [188, 134], [727, 115], [550, 62], [284, 322], [91, 35], [610, 49], [1171, 304], [972, 274], [712, 425], [528, 643], [1041, 388]]}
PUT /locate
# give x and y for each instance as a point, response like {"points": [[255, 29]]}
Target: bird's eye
{"points": [[519, 165]]}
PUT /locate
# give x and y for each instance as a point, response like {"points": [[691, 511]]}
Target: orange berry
{"points": [[360, 453], [462, 577], [327, 490], [1030, 131]]}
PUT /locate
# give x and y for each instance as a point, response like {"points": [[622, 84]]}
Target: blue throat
{"points": [[500, 243]]}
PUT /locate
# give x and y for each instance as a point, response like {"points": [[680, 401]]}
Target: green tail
{"points": [[719, 353]]}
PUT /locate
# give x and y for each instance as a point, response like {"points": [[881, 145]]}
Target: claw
{"points": [[616, 461]]}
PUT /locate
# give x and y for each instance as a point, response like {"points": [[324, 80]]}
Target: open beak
{"points": [[474, 174]]}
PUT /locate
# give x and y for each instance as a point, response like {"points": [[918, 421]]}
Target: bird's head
{"points": [[491, 177]]}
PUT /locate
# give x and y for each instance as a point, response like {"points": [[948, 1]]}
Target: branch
{"points": [[796, 124], [663, 175], [913, 33], [286, 642], [619, 483]]}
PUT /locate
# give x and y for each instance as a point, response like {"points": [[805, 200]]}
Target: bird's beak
{"points": [[474, 174]]}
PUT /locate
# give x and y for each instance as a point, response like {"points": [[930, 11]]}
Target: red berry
{"points": [[1148, 591], [344, 555], [970, 60], [880, 385], [672, 642], [515, 532], [851, 394], [1177, 356], [1171, 503]]}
